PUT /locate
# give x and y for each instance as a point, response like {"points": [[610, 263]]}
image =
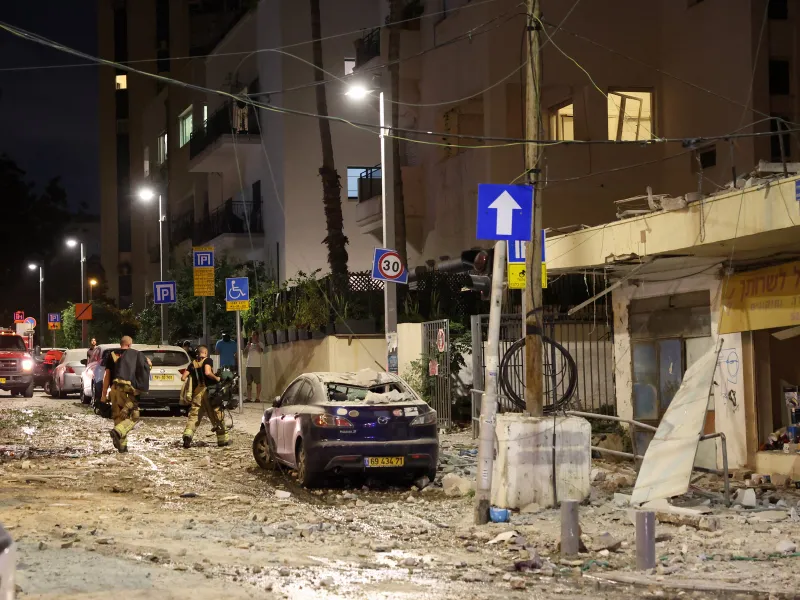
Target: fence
{"points": [[436, 348]]}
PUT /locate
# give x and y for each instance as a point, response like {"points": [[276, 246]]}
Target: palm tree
{"points": [[335, 239]]}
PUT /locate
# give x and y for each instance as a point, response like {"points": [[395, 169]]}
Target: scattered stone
{"points": [[506, 536], [105, 541], [422, 482], [189, 495], [597, 475], [606, 541], [282, 494], [622, 500], [793, 516], [517, 583], [67, 545], [746, 497], [380, 547], [327, 581], [284, 572], [361, 503], [455, 485], [42, 546], [410, 562], [786, 547], [476, 576], [198, 567], [769, 516]]}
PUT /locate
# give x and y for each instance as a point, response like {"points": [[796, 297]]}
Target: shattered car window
{"points": [[339, 392]]}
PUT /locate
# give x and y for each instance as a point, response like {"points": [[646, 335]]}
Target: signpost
{"points": [[54, 324], [237, 297], [505, 212], [203, 261], [19, 316], [387, 267], [165, 292]]}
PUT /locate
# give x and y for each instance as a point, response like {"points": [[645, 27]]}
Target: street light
{"points": [[92, 283], [146, 194], [33, 267], [73, 243], [359, 91]]}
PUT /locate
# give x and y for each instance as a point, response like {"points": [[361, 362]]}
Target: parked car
{"points": [[8, 565], [16, 364], [66, 378], [332, 423], [169, 363], [92, 376], [45, 360]]}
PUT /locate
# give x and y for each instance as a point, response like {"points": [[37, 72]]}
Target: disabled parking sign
{"points": [[237, 293]]}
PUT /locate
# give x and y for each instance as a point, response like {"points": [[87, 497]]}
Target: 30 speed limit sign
{"points": [[387, 266]]}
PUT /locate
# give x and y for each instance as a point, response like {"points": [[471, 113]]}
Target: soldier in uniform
{"points": [[201, 370], [127, 374]]}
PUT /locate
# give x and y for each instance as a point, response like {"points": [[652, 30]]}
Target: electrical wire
{"points": [[755, 63]]}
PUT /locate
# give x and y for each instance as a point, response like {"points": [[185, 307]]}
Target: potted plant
{"points": [[311, 307], [351, 318]]}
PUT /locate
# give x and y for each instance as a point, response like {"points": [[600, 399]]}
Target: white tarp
{"points": [[667, 467]]}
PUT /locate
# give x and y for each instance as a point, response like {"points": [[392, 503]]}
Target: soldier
{"points": [[127, 374], [201, 370]]}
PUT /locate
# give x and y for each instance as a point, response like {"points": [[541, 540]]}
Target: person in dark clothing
{"points": [[127, 374], [201, 370], [187, 346]]}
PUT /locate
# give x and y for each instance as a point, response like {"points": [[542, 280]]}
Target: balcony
{"points": [[369, 211], [182, 227], [227, 227], [212, 149], [368, 47]]}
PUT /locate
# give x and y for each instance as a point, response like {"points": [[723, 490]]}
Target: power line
{"points": [[293, 45]]}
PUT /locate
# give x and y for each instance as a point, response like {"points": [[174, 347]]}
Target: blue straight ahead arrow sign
{"points": [[505, 212]]}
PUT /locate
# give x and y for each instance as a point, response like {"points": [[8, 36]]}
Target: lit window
{"points": [[349, 65], [162, 148], [630, 115], [122, 82], [146, 161], [561, 123], [185, 125]]}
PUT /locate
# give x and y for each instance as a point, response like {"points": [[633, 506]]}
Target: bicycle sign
{"points": [[387, 266], [237, 293]]}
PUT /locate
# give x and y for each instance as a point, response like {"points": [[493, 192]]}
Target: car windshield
{"points": [[166, 358], [340, 392], [12, 342]]}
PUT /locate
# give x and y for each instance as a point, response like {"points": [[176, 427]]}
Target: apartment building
{"points": [[159, 37]]}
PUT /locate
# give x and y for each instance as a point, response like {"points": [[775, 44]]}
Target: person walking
{"points": [[226, 348], [201, 370], [254, 351], [127, 375]]}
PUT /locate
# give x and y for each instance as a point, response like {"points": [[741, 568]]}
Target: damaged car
{"points": [[348, 423]]}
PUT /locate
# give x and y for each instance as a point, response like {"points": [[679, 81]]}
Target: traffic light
{"points": [[481, 272]]}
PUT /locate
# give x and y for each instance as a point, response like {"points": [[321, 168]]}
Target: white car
{"points": [[7, 566], [92, 376], [169, 363], [66, 376]]}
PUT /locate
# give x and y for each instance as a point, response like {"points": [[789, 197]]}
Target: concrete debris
{"points": [[786, 547], [597, 476], [769, 516], [282, 494], [746, 497], [701, 522], [605, 541], [622, 500], [455, 485], [506, 536], [517, 583]]}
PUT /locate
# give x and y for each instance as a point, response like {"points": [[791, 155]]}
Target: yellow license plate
{"points": [[384, 461], [2, 379], [163, 377]]}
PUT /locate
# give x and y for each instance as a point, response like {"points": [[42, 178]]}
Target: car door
{"points": [[58, 371], [277, 418], [291, 419]]}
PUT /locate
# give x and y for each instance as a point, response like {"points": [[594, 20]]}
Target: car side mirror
{"points": [[84, 362], [277, 402]]}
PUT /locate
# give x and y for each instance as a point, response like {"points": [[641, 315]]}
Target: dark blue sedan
{"points": [[338, 423]]}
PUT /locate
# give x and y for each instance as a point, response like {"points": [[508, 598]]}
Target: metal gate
{"points": [[436, 350]]}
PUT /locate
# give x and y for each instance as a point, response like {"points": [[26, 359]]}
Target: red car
{"points": [[16, 364]]}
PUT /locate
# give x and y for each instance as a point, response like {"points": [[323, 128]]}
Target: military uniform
{"points": [[123, 395], [202, 406]]}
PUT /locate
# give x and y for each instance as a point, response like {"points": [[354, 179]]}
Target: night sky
{"points": [[48, 118]]}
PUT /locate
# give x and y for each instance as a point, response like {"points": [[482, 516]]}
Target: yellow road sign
{"points": [[516, 276], [238, 305], [204, 281], [54, 326]]}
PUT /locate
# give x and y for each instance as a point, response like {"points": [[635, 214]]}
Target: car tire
{"points": [[28, 393], [61, 393], [305, 477], [262, 451]]}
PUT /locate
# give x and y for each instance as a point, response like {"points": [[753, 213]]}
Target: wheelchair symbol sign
{"points": [[237, 289]]}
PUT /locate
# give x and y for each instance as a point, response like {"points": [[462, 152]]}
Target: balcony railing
{"points": [[182, 227], [368, 47], [369, 183], [231, 117], [231, 217]]}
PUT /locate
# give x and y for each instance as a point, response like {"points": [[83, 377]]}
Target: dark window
{"points": [[125, 290], [120, 34], [291, 394], [776, 125], [708, 158], [778, 9], [256, 217], [779, 77], [12, 342], [122, 103], [123, 192], [162, 35], [166, 358]]}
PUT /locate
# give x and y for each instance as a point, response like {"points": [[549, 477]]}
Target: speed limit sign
{"points": [[387, 266]]}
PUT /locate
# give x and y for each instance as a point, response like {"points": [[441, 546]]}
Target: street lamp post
{"points": [[33, 267], [147, 194], [72, 243], [359, 92]]}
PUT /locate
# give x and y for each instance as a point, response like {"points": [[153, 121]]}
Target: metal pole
{"points": [[570, 528], [489, 399], [83, 297], [645, 540], [42, 341], [239, 359], [534, 376], [387, 200], [161, 264], [205, 323]]}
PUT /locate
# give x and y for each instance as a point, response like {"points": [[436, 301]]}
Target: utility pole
{"points": [[533, 319]]}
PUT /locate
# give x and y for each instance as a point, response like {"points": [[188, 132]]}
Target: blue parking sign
{"points": [[165, 292]]}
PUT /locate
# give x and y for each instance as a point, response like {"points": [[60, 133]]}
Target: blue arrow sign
{"points": [[237, 289], [165, 292], [505, 212]]}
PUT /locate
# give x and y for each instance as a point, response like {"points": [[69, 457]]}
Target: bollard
{"points": [[645, 540], [570, 528]]}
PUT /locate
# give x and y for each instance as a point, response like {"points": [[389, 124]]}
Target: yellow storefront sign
{"points": [[238, 305], [516, 276], [761, 299]]}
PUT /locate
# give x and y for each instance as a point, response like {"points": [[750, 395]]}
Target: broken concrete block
{"points": [[597, 475], [622, 500], [454, 485], [701, 522], [605, 541], [786, 547], [746, 497], [770, 516]]}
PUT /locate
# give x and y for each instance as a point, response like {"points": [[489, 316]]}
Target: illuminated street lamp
{"points": [[33, 267], [73, 243], [146, 195]]}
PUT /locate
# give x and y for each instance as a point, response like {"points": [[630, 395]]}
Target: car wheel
{"points": [[28, 393], [305, 476], [262, 452]]}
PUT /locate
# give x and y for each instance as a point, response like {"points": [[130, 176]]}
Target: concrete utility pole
{"points": [[534, 380]]}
